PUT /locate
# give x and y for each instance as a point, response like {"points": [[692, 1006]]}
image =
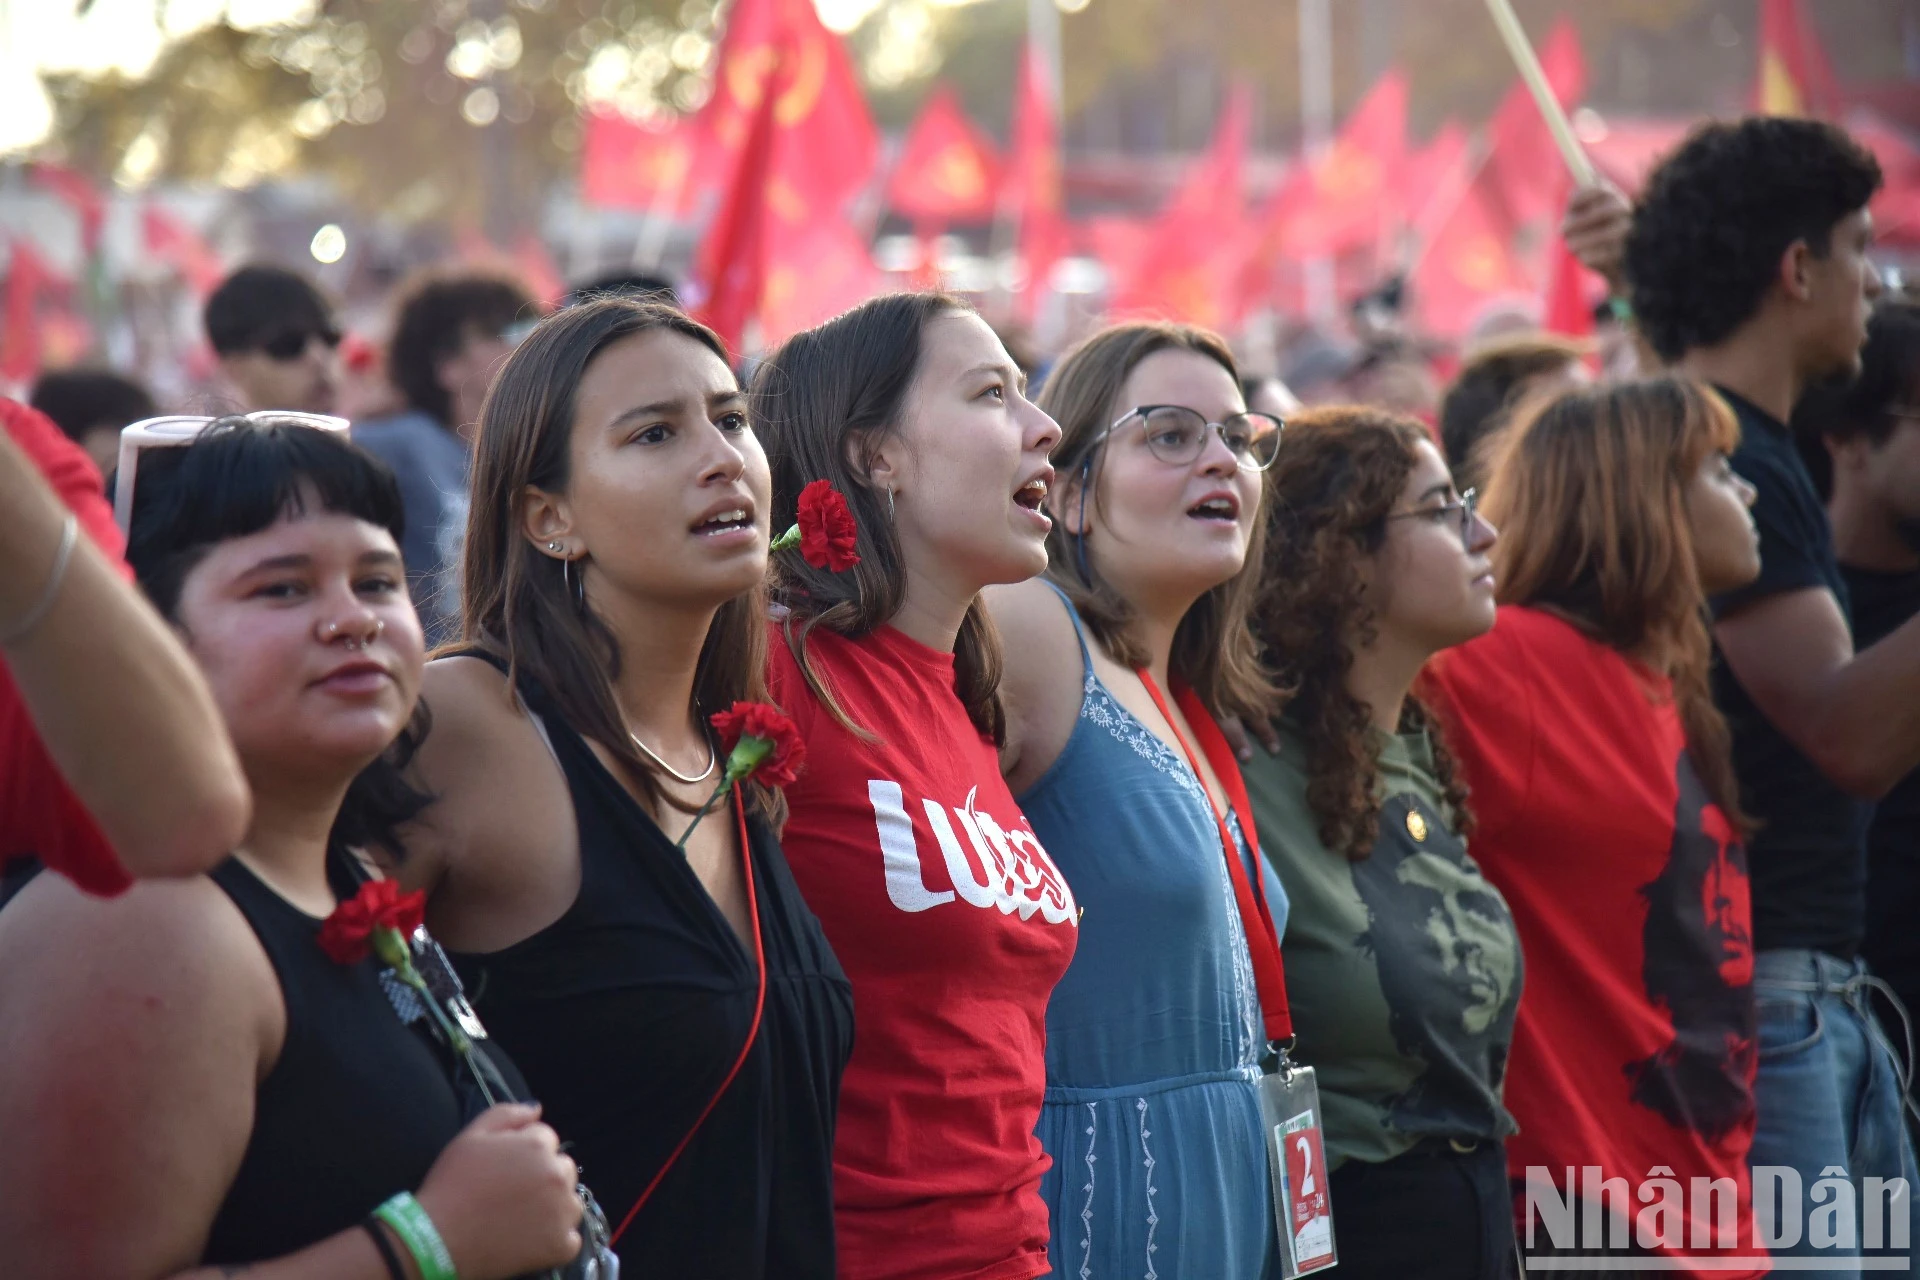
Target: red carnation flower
{"points": [[829, 539], [347, 935], [760, 743]]}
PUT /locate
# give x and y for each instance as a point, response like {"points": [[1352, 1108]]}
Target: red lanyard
{"points": [[1263, 942], [753, 1030]]}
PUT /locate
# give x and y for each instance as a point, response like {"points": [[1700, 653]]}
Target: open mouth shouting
{"points": [[1030, 496], [1219, 507], [727, 524]]}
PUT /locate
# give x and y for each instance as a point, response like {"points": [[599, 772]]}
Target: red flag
{"points": [[78, 191], [1202, 241], [1467, 264], [780, 74], [948, 170], [638, 166], [28, 277], [732, 259], [829, 272], [1794, 77], [1525, 174], [1431, 170], [174, 242], [825, 144], [1034, 199], [1349, 195], [1569, 302]]}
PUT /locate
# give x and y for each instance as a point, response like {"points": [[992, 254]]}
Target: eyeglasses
{"points": [[175, 430], [1177, 435], [291, 344], [1465, 507]]}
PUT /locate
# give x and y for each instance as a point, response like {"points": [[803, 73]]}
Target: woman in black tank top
{"points": [[195, 1081], [677, 1009]]}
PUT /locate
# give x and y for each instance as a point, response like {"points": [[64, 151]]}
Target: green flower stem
{"points": [[789, 539], [393, 949], [747, 755]]}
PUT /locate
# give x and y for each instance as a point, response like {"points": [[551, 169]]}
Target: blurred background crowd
{"points": [[1356, 194]]}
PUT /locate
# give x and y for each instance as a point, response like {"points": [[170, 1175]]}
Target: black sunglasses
{"points": [[291, 344]]}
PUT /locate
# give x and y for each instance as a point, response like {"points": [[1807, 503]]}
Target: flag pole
{"points": [[1528, 63], [1316, 130]]}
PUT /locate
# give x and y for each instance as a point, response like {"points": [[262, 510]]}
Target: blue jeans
{"points": [[1830, 1095]]}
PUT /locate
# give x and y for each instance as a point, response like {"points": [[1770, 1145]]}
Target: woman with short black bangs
{"points": [[196, 1083], [670, 998], [1402, 962]]}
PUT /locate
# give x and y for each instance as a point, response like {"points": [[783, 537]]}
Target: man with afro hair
{"points": [[1747, 260]]}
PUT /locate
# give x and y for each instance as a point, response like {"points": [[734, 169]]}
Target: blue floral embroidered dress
{"points": [[1152, 1112]]}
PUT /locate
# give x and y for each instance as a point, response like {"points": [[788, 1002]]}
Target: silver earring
{"points": [[890, 514], [577, 591], [553, 546]]}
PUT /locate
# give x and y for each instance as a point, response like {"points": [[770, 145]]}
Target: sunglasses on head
{"points": [[291, 344]]}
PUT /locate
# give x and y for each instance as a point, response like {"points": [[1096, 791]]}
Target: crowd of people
{"points": [[386, 894]]}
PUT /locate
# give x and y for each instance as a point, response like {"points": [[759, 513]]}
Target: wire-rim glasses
{"points": [[1177, 435], [1467, 505]]}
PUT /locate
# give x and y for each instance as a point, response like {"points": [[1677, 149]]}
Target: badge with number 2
{"points": [[1302, 1202]]}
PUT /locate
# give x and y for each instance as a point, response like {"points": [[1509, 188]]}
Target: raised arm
{"points": [[1856, 716], [102, 693]]}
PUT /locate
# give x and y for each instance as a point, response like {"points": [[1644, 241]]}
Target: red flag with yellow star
{"points": [[1794, 77], [948, 170]]}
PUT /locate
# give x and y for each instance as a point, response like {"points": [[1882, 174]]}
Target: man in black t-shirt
{"points": [[1747, 259], [1862, 446]]}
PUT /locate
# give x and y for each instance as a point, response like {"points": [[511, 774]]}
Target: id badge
{"points": [[1302, 1203]]}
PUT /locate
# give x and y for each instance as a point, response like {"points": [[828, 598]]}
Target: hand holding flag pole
{"points": [[1528, 62]]}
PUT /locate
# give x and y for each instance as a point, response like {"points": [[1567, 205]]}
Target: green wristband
{"points": [[421, 1238]]}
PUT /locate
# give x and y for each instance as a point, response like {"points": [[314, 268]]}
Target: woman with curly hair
{"points": [[1116, 664], [1608, 812], [1403, 965]]}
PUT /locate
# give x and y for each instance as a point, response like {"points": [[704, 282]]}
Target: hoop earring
{"points": [[576, 591], [1080, 536]]}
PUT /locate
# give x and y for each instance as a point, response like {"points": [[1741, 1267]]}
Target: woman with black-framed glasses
{"points": [[1116, 665], [1403, 962]]}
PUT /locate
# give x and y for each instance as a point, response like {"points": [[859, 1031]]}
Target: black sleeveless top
{"points": [[626, 1015], [358, 1106]]}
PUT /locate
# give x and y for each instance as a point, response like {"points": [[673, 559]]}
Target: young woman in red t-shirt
{"points": [[949, 917], [1608, 813]]}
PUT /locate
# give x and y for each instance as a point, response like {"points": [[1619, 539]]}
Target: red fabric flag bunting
{"points": [[1202, 241], [78, 191], [1349, 197], [180, 246], [1467, 265], [948, 170], [1034, 198], [625, 165], [1525, 175], [1794, 77]]}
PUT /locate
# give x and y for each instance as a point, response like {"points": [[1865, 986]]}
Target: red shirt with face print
{"points": [[39, 815], [953, 925], [1635, 1046]]}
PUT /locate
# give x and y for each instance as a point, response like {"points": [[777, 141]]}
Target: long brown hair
{"points": [[824, 402], [1589, 493], [519, 603], [1214, 650], [1339, 474]]}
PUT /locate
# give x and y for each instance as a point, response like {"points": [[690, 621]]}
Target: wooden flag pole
{"points": [[1529, 64]]}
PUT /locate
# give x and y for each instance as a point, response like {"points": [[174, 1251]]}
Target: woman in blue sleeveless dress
{"points": [[1154, 1037]]}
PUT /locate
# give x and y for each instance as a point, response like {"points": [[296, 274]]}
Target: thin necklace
{"points": [[713, 757]]}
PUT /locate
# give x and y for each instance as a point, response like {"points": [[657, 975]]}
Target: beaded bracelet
{"points": [[421, 1238]]}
